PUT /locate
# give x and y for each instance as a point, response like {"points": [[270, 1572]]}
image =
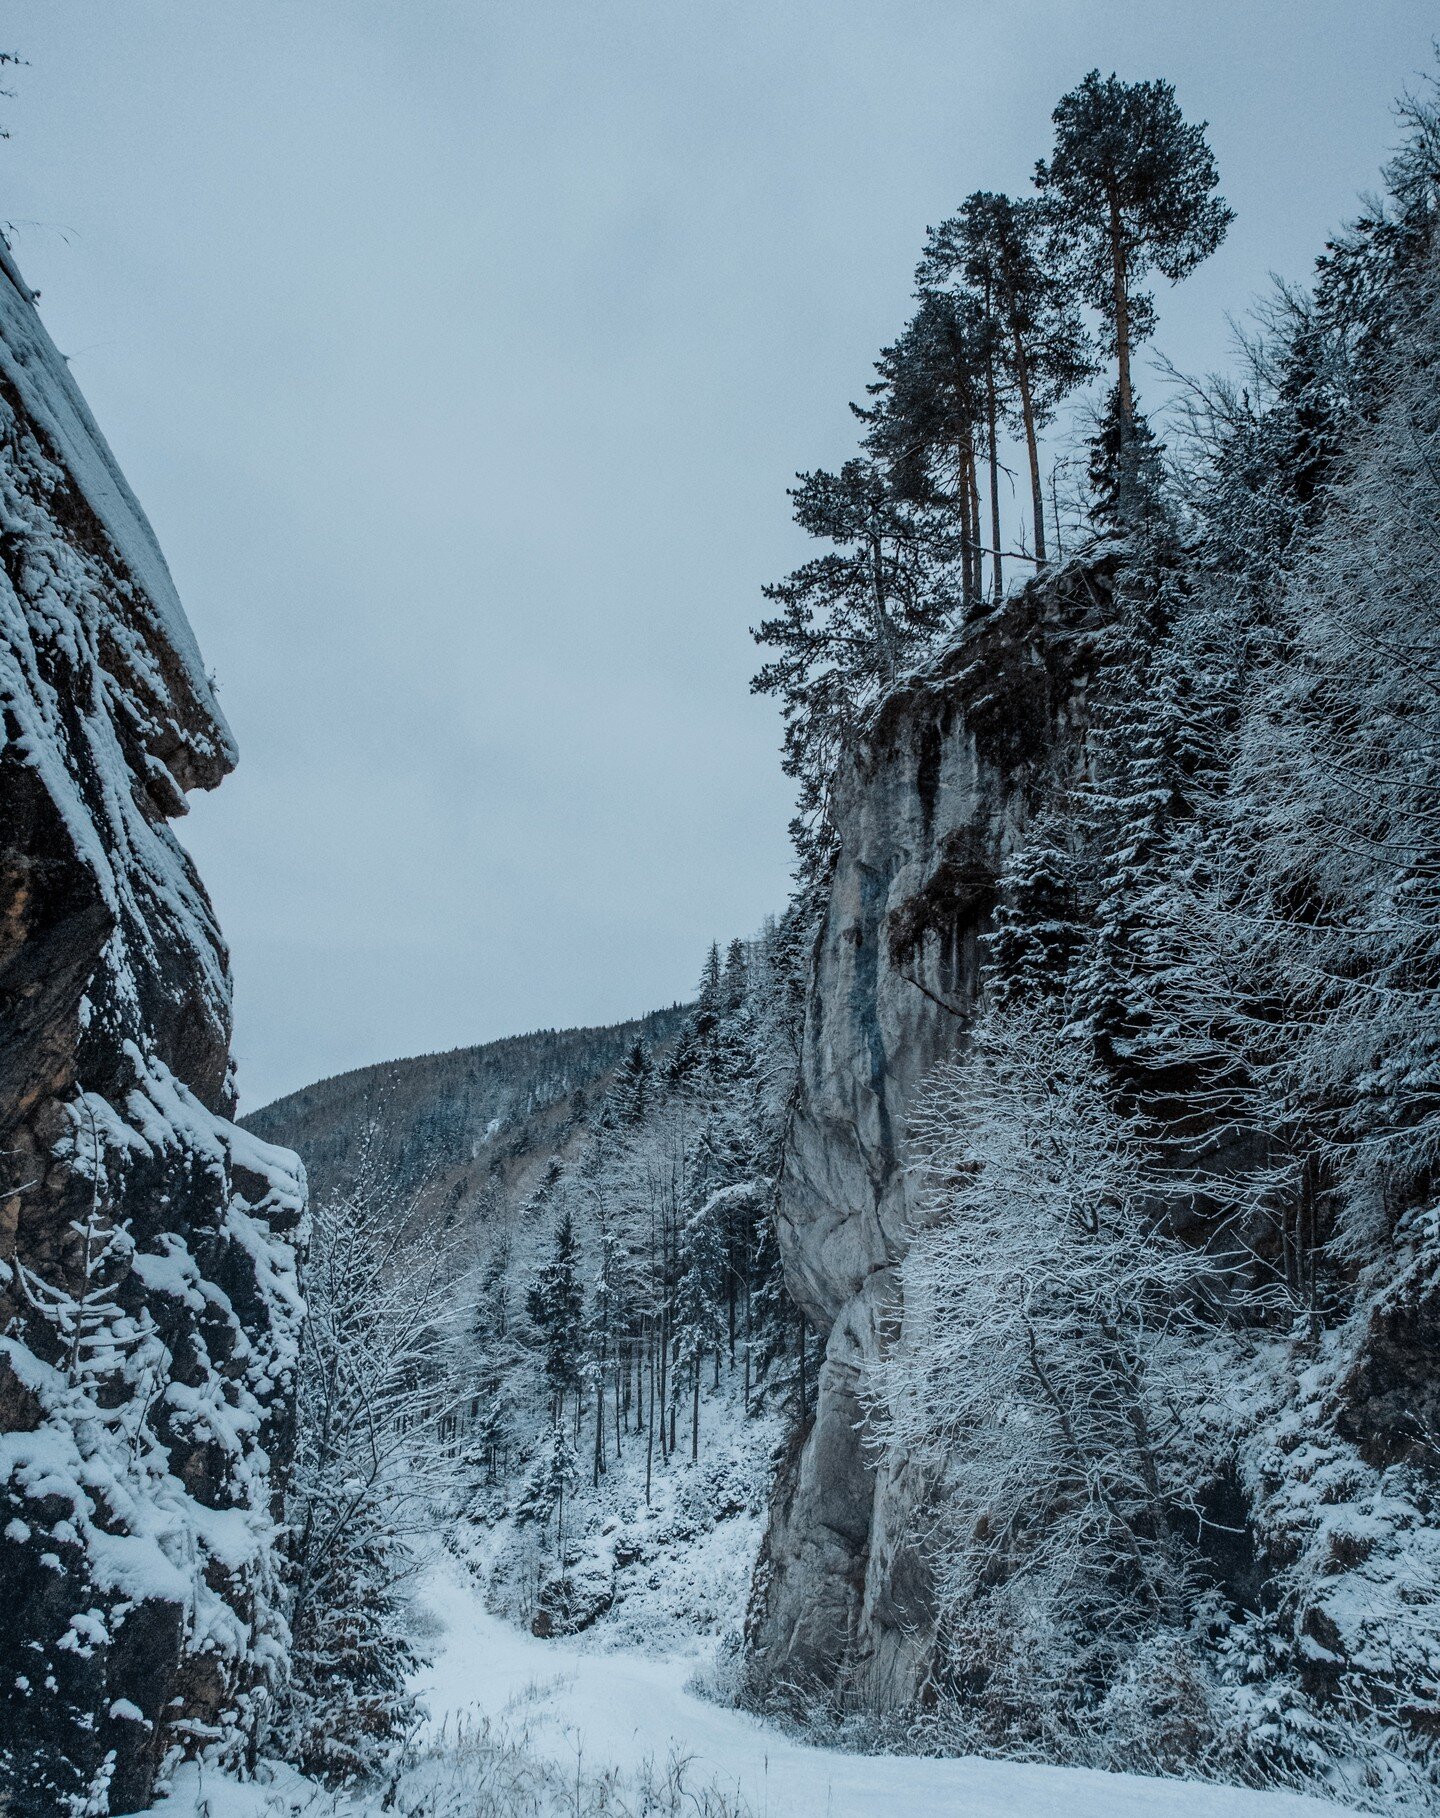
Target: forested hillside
{"points": [[576, 1368], [453, 1127]]}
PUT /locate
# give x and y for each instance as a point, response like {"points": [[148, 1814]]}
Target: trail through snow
{"points": [[618, 1709]]}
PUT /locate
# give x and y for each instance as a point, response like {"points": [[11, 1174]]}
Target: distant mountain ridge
{"points": [[453, 1124]]}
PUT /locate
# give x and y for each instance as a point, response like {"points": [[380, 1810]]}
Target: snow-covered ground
{"points": [[663, 1566], [523, 1728], [617, 1709]]}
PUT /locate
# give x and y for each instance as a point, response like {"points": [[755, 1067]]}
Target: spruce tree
{"points": [[604, 1325], [554, 1475], [630, 1094], [556, 1306], [1038, 925], [709, 993], [849, 622], [928, 424], [732, 993], [497, 1357], [699, 1299], [1133, 793], [1126, 474], [698, 1035]]}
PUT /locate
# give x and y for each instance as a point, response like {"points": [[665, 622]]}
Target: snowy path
{"points": [[621, 1708]]}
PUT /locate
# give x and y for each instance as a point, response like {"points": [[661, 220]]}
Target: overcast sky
{"points": [[461, 352]]}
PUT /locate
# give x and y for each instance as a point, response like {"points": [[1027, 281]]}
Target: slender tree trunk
{"points": [[695, 1412], [1027, 411], [650, 1431], [993, 426], [599, 1470], [1287, 1266], [747, 1340], [1307, 1241], [674, 1394], [964, 466], [664, 1383], [882, 614], [1120, 293], [976, 545]]}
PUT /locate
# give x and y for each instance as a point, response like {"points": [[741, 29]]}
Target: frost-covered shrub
{"points": [[494, 1767], [371, 1471], [1040, 1376]]}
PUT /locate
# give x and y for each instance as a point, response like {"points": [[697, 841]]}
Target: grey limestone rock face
{"points": [[935, 798]]}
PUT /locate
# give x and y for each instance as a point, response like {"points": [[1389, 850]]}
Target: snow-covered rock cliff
{"points": [[1302, 1423], [148, 1291], [937, 795]]}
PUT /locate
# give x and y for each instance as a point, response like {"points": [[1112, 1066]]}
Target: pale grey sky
{"points": [[461, 353]]}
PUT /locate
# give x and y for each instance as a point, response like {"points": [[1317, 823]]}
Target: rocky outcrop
{"points": [[938, 794], [148, 1296], [1314, 1524]]}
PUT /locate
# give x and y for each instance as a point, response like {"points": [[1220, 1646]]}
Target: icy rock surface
{"points": [[148, 1293]]}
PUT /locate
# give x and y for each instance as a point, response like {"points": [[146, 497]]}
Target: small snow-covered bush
{"points": [[1040, 1376], [492, 1768], [375, 1383]]}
